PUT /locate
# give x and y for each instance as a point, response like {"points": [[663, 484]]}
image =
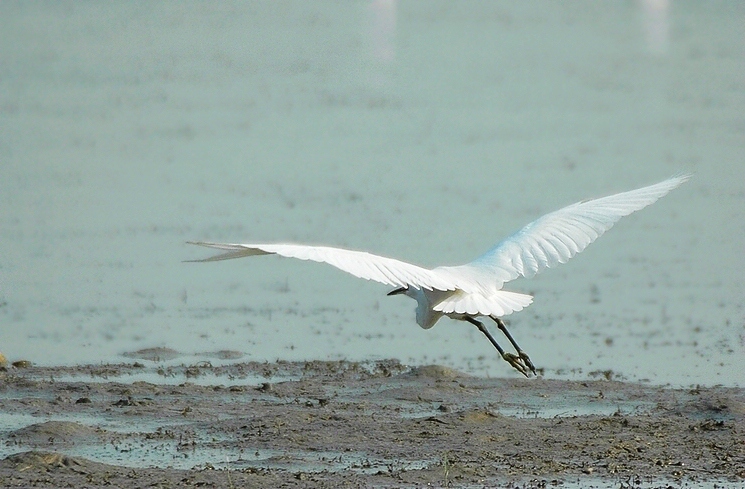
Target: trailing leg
{"points": [[520, 353], [517, 362]]}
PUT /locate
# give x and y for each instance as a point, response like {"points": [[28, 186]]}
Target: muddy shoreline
{"points": [[344, 424]]}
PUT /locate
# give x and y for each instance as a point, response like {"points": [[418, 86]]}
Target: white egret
{"points": [[466, 292]]}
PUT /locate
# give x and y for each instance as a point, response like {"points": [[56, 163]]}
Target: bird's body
{"points": [[468, 291]]}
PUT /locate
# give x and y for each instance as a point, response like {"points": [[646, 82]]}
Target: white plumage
{"points": [[475, 289]]}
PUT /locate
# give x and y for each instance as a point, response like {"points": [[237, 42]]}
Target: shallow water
{"points": [[418, 130]]}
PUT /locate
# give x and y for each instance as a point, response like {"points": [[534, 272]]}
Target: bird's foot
{"points": [[519, 363], [526, 360]]}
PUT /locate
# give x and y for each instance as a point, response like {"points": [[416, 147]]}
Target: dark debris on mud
{"points": [[345, 424]]}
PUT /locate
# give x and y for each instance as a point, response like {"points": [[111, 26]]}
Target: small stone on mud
{"points": [[436, 372], [43, 461], [226, 354], [154, 354], [60, 431]]}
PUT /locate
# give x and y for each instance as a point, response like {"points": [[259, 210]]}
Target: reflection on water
{"points": [[383, 30], [655, 15]]}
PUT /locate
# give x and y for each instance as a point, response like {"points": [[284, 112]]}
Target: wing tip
{"points": [[209, 244], [681, 177]]}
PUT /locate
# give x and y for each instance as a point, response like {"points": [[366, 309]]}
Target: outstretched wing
{"points": [[558, 236], [358, 263]]}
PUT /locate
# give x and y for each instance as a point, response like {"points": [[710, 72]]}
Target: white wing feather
{"points": [[555, 237], [546, 242], [499, 303], [358, 263]]}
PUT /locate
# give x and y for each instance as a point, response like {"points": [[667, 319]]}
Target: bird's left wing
{"points": [[358, 263], [556, 237]]}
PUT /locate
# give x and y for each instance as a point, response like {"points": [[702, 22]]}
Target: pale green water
{"points": [[424, 131]]}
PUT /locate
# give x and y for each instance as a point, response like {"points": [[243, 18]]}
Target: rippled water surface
{"points": [[424, 131]]}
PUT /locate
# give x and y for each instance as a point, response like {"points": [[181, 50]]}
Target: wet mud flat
{"points": [[343, 424]]}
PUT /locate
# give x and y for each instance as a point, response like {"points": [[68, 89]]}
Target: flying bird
{"points": [[467, 292]]}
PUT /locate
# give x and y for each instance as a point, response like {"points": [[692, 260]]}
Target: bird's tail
{"points": [[498, 303]]}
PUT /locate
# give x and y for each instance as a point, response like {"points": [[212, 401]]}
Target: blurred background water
{"points": [[422, 130]]}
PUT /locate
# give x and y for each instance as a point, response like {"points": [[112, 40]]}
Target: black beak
{"points": [[397, 291]]}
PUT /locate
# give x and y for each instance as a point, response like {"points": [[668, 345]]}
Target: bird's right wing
{"points": [[358, 263], [556, 237]]}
